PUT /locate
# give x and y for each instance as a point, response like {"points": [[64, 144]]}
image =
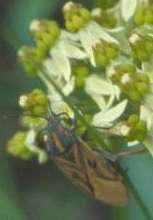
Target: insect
{"points": [[83, 166]]}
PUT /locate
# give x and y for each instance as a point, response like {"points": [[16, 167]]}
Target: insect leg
{"points": [[131, 152]]}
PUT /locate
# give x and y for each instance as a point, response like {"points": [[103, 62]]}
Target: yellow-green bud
{"points": [[133, 84], [35, 102], [137, 128], [76, 16], [144, 15], [81, 72], [30, 59], [17, 146], [105, 52], [45, 33], [142, 47], [104, 18], [33, 122], [139, 18]]}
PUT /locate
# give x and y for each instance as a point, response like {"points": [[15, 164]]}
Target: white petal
{"points": [[147, 115], [68, 88], [87, 43], [128, 8], [106, 119], [148, 69], [72, 51], [101, 33], [96, 85], [31, 140], [100, 101], [65, 35], [51, 68], [62, 63]]}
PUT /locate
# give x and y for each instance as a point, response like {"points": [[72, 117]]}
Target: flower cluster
{"points": [[142, 46], [134, 128], [75, 16], [133, 83], [95, 67], [144, 15], [104, 18], [105, 52], [24, 144]]}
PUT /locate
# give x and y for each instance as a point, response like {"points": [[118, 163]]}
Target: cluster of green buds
{"points": [[17, 146], [25, 144], [105, 52], [45, 34], [104, 18], [28, 121], [133, 83], [30, 59], [142, 47], [144, 15], [134, 129], [80, 72], [76, 16], [35, 103]]}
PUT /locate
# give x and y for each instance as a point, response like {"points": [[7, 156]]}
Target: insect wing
{"points": [[93, 174], [72, 172], [105, 180]]}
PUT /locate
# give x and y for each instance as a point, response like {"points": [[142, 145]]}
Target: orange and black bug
{"points": [[83, 165]]}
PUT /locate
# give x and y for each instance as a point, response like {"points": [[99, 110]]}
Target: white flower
{"points": [[99, 88], [60, 55], [128, 8], [58, 105], [90, 35], [31, 143], [107, 117]]}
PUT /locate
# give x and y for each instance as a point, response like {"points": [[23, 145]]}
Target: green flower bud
{"points": [[139, 18], [45, 33], [142, 87], [104, 18], [81, 72], [33, 122], [142, 47], [105, 52], [144, 15], [17, 146], [134, 95], [136, 128], [133, 120], [112, 51], [76, 16], [35, 102], [149, 16], [30, 60], [133, 84]]}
